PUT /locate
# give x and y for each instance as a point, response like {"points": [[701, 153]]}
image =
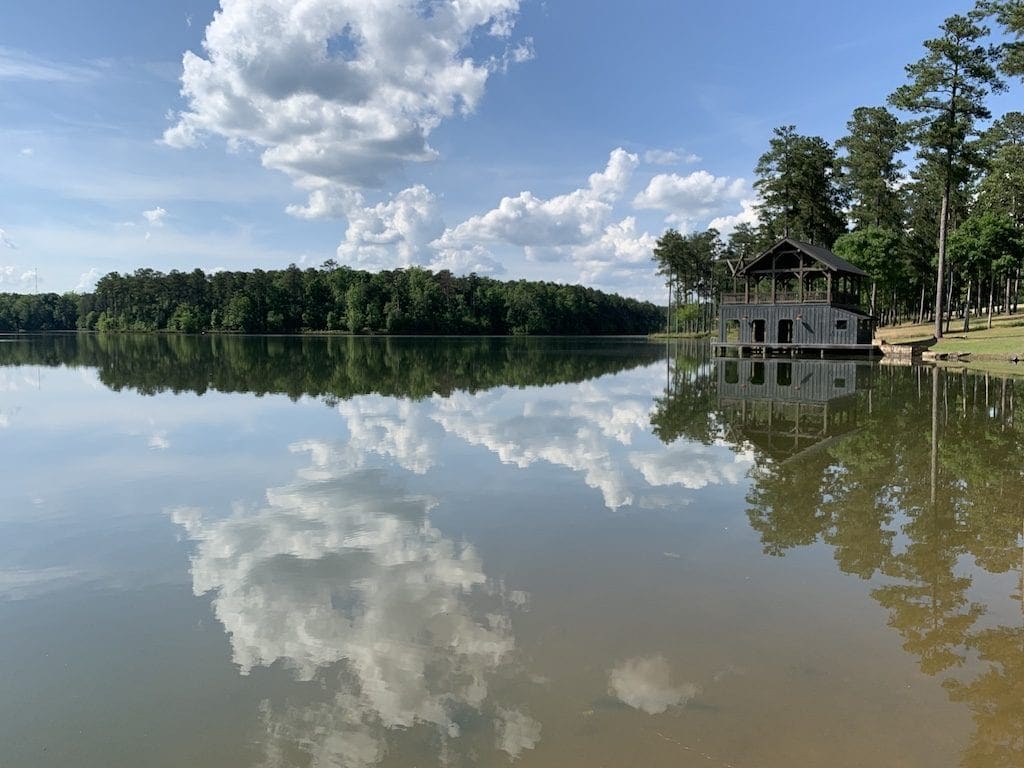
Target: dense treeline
{"points": [[335, 298], [330, 298], [332, 367], [943, 238], [37, 312]]}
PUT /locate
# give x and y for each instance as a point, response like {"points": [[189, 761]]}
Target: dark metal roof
{"points": [[819, 254]]}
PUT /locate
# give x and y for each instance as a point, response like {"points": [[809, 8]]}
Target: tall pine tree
{"points": [[871, 168], [798, 183], [947, 89]]}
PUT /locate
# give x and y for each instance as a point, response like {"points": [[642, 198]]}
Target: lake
{"points": [[477, 552]]}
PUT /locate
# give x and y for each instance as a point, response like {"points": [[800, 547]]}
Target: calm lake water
{"points": [[567, 552]]}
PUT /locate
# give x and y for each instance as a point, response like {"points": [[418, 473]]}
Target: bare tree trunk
{"points": [[920, 308], [940, 272], [991, 295], [949, 305], [967, 307], [668, 310]]}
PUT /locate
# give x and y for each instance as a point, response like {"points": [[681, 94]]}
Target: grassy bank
{"points": [[694, 335], [989, 348]]}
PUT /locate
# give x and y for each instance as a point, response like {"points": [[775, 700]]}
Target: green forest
{"points": [[924, 192], [331, 298]]}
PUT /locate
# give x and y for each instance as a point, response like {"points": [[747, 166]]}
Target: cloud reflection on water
{"points": [[342, 577]]}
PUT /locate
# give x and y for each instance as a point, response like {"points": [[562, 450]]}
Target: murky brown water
{"points": [[414, 552]]}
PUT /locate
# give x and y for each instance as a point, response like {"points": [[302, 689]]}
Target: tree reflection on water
{"points": [[913, 476]]}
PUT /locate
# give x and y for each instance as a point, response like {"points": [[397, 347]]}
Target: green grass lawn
{"points": [[1003, 341]]}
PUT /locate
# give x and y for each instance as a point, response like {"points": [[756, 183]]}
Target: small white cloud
{"points": [[87, 281], [524, 51], [747, 215], [188, 21], [328, 202], [670, 157], [26, 152], [5, 241], [155, 216], [643, 683], [149, 236], [13, 279], [158, 441]]}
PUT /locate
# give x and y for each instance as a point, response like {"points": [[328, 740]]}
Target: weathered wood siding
{"points": [[805, 381], [813, 324]]}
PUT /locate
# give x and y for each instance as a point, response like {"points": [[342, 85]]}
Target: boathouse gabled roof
{"points": [[825, 257]]}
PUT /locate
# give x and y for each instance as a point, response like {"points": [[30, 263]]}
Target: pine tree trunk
{"points": [[967, 307], [668, 312], [940, 272], [991, 295], [949, 305]]}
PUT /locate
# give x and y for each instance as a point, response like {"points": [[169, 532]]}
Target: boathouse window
{"points": [[757, 373], [758, 326], [785, 331], [840, 325], [784, 374], [732, 372], [839, 383], [732, 330]]}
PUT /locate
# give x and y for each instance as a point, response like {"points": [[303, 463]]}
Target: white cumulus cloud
{"points": [[395, 232], [339, 93], [87, 281], [747, 215], [15, 279], [692, 198], [575, 226]]}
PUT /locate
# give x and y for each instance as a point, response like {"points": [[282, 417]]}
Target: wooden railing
{"points": [[783, 297]]}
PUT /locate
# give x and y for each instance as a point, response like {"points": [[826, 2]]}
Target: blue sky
{"points": [[521, 138]]}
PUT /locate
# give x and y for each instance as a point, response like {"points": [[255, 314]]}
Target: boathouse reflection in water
{"points": [[784, 407]]}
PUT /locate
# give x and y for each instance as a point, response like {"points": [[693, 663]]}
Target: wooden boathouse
{"points": [[796, 297]]}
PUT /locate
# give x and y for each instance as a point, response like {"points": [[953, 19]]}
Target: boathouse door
{"points": [[758, 331], [785, 331]]}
